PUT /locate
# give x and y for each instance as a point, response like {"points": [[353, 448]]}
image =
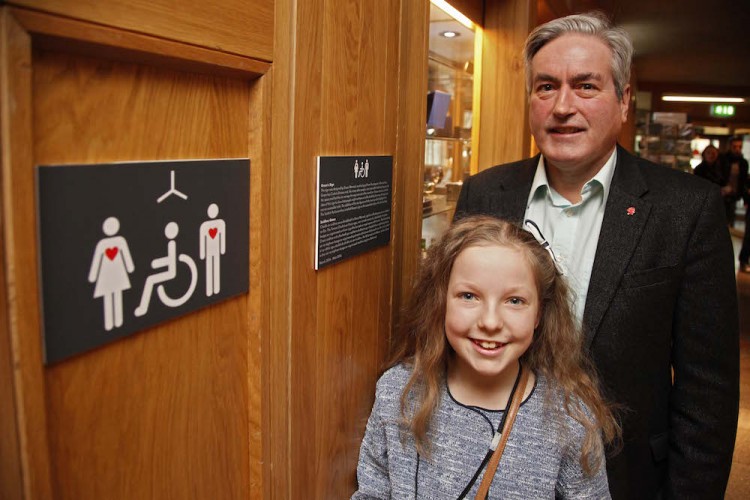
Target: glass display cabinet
{"points": [[449, 123]]}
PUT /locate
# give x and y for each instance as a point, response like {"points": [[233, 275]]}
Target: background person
{"points": [[710, 168], [734, 174], [648, 254]]}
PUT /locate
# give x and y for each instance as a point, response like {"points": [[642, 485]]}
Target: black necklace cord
{"points": [[495, 438]]}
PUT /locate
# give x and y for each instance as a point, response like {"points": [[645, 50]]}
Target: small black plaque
{"points": [[353, 206]]}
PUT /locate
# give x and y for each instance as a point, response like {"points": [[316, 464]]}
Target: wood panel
{"points": [[11, 479], [344, 95], [504, 130], [413, 51], [72, 36], [19, 241], [275, 341], [174, 411], [259, 131], [234, 26], [165, 412], [473, 9]]}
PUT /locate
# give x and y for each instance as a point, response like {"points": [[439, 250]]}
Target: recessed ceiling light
{"points": [[450, 34], [699, 98]]}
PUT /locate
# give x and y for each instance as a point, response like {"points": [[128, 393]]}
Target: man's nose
{"points": [[564, 102]]}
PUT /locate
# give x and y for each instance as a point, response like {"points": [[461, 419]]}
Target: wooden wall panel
{"points": [[413, 51], [19, 241], [11, 479], [165, 412], [473, 9], [175, 411], [259, 142], [344, 96], [234, 26], [278, 225], [504, 128]]}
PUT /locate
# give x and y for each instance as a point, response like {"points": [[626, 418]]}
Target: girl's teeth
{"points": [[488, 345]]}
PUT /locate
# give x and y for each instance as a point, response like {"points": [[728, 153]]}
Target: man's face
{"points": [[736, 148], [574, 112]]}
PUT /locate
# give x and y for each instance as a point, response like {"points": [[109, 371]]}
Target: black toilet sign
{"points": [[125, 246]]}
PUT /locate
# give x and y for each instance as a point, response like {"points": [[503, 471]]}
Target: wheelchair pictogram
{"points": [[166, 299], [169, 263]]}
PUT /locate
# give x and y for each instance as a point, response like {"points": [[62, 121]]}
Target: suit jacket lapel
{"points": [[510, 201], [625, 217]]}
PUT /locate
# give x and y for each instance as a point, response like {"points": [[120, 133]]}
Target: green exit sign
{"points": [[722, 110]]}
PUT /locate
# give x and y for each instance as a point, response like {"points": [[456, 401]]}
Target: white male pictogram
{"points": [[213, 244]]}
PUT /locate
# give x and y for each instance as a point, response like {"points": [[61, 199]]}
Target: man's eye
{"points": [[545, 87]]}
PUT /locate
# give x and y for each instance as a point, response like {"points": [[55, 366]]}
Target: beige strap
{"points": [[489, 474]]}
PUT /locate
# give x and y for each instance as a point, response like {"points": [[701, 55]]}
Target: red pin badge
{"points": [[631, 210]]}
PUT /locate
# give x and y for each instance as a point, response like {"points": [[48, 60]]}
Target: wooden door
{"points": [[171, 412]]}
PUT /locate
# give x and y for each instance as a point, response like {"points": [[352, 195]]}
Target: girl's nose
{"points": [[490, 319]]}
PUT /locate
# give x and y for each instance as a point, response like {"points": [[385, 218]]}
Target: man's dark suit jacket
{"points": [[662, 295]]}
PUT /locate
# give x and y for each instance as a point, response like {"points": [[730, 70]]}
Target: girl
{"points": [[488, 299]]}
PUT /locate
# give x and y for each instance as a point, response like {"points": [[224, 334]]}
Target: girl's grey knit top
{"points": [[541, 458]]}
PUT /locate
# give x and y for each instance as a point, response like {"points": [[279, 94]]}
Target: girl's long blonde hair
{"points": [[556, 351]]}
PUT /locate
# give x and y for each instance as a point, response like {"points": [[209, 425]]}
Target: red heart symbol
{"points": [[111, 253], [212, 232]]}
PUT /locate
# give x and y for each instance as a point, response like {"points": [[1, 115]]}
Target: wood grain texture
{"points": [[11, 478], [21, 308], [504, 130], [11, 474], [278, 226], [413, 50], [473, 9], [164, 413], [232, 26], [259, 142], [62, 34], [344, 101]]}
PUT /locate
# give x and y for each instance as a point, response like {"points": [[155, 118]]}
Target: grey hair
{"points": [[591, 23]]}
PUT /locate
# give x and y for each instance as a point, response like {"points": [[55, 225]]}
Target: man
{"points": [[735, 166], [734, 173], [648, 254]]}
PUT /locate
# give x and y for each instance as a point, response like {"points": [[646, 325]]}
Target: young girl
{"points": [[488, 298]]}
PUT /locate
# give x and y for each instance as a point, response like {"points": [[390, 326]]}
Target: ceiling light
{"points": [[698, 98], [450, 34], [451, 11]]}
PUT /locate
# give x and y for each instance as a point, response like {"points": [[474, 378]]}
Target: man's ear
{"points": [[625, 104]]}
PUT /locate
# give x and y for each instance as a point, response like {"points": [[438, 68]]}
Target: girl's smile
{"points": [[492, 309]]}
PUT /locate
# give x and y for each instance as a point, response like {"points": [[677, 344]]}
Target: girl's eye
{"points": [[467, 295], [516, 301]]}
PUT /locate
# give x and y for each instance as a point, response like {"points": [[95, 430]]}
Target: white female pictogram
{"points": [[169, 262], [213, 243], [109, 270]]}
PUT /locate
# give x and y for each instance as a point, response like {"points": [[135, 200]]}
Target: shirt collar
{"points": [[603, 177]]}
